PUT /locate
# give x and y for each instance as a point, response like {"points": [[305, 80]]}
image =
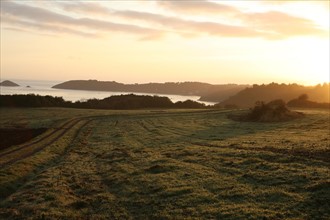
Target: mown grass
{"points": [[177, 165]]}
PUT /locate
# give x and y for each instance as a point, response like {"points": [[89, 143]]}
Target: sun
{"points": [[317, 61]]}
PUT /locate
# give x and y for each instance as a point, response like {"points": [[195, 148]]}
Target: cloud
{"points": [[44, 19], [170, 23], [83, 7], [45, 27], [24, 30], [273, 24], [198, 7], [324, 3], [283, 24], [268, 25], [184, 27]]}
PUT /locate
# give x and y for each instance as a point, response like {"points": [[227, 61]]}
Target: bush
{"points": [[274, 111]]}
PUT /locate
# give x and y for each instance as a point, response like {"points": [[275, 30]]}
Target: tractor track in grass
{"points": [[36, 141], [320, 155], [49, 139]]}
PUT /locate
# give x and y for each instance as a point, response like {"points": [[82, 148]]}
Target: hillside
{"points": [[249, 96], [96, 164], [222, 94], [303, 102], [8, 83], [181, 88]]}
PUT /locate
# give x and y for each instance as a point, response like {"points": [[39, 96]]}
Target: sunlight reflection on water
{"points": [[44, 88]]}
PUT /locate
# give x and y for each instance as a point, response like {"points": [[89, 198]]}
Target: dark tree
{"points": [[303, 97]]}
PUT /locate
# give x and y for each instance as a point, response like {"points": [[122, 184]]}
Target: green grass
{"points": [[171, 165]]}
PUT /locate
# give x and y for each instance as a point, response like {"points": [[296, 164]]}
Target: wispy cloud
{"points": [[281, 23], [269, 25], [183, 27], [151, 26], [45, 27], [324, 3], [198, 7], [17, 29], [273, 24], [83, 7], [44, 19]]}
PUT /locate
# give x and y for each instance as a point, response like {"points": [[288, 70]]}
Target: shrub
{"points": [[274, 111]]}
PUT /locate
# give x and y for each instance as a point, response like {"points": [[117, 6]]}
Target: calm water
{"points": [[44, 88]]}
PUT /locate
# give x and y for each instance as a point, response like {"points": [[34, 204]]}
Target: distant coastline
{"points": [[223, 91], [226, 95], [43, 88]]}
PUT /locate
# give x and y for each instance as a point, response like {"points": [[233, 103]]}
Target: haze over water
{"points": [[39, 87]]}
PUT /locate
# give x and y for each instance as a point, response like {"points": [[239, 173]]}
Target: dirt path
{"points": [[36, 141], [27, 150]]}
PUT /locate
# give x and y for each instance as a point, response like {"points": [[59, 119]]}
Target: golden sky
{"points": [[160, 41]]}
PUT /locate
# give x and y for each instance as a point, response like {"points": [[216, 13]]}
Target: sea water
{"points": [[43, 88]]}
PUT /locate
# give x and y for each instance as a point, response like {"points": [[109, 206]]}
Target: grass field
{"points": [[95, 164]]}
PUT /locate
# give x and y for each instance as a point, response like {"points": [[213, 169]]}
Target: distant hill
{"points": [[249, 96], [181, 88], [8, 83], [223, 94]]}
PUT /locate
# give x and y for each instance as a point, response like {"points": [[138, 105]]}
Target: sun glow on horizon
{"points": [[248, 42]]}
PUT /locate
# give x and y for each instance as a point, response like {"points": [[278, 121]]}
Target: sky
{"points": [[218, 42]]}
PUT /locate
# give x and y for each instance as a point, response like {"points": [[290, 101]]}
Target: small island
{"points": [[8, 83]]}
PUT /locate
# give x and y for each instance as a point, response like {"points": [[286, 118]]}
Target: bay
{"points": [[43, 88]]}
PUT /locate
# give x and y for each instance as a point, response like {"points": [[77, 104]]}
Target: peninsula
{"points": [[224, 91]]}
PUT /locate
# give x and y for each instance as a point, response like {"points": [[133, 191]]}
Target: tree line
{"points": [[130, 101]]}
